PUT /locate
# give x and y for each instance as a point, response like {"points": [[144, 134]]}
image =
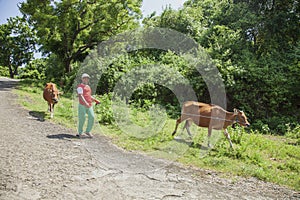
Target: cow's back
{"points": [[204, 114], [194, 108], [198, 112]]}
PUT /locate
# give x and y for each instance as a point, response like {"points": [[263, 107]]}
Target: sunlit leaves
{"points": [[17, 44], [70, 28]]}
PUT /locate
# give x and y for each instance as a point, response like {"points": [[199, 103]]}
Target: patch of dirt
{"points": [[42, 160]]}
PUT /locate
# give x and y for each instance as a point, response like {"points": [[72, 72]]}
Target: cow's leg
{"points": [[51, 110], [187, 126], [178, 121], [208, 136], [228, 137]]}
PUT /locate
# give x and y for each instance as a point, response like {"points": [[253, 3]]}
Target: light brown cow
{"points": [[210, 116], [51, 95]]}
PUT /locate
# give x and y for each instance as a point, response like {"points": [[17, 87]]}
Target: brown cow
{"points": [[51, 95], [210, 116]]}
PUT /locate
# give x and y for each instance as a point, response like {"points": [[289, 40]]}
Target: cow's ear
{"points": [[235, 111]]}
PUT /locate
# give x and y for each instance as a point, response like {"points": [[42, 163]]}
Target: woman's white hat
{"points": [[85, 75]]}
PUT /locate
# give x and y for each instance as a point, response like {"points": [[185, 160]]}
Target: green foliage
{"points": [[104, 109], [34, 70], [69, 29], [17, 44], [143, 80], [4, 71], [255, 46], [53, 68], [293, 131]]}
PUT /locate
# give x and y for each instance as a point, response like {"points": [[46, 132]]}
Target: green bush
{"points": [[34, 70], [293, 131], [4, 71], [104, 109]]}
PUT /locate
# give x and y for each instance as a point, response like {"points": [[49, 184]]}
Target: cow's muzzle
{"points": [[55, 100], [247, 125]]}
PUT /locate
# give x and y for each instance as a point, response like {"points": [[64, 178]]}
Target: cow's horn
{"points": [[235, 111]]}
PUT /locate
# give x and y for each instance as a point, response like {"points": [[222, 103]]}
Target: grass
{"points": [[31, 97], [267, 157]]}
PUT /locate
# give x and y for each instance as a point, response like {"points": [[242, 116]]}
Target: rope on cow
{"points": [[216, 118]]}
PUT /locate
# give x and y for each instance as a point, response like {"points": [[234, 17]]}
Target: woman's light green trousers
{"points": [[82, 112]]}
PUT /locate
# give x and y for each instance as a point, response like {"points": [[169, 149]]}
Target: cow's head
{"points": [[241, 118], [53, 92]]}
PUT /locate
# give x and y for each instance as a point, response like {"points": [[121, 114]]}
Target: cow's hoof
{"points": [[177, 138]]}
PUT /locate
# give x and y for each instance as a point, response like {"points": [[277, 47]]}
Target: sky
{"points": [[9, 8]]}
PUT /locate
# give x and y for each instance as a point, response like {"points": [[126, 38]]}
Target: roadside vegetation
{"points": [[266, 156]]}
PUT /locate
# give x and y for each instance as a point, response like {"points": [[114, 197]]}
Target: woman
{"points": [[85, 106]]}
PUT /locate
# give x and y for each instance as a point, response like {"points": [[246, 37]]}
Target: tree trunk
{"points": [[11, 72], [15, 71], [68, 65]]}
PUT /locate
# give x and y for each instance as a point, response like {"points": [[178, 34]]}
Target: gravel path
{"points": [[42, 160]]}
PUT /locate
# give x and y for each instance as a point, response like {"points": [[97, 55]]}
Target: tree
{"points": [[277, 24], [255, 45], [17, 44], [70, 28], [34, 70]]}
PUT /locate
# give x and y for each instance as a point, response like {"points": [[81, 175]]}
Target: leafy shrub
{"points": [[293, 131], [4, 71], [104, 109], [34, 70]]}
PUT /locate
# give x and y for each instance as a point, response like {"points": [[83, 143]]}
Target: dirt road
{"points": [[41, 160]]}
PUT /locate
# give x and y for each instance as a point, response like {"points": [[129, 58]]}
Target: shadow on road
{"points": [[40, 116], [7, 84], [63, 136]]}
